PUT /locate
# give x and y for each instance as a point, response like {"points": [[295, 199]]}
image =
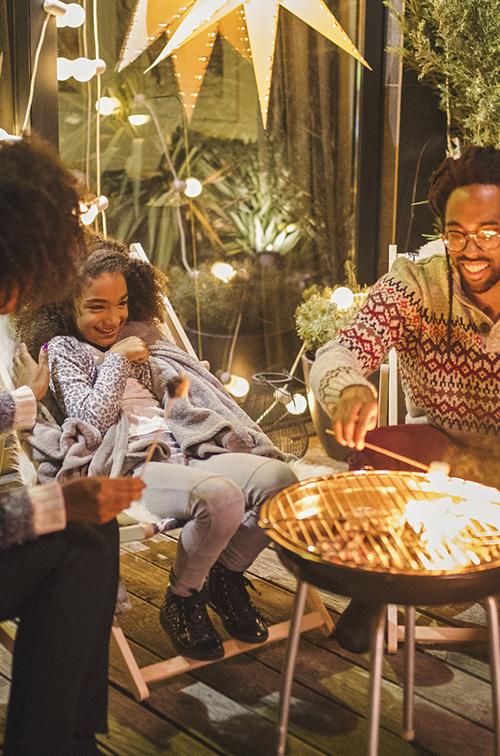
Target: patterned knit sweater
{"points": [[454, 386]]}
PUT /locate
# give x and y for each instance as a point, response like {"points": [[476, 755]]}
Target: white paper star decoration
{"points": [[249, 25]]}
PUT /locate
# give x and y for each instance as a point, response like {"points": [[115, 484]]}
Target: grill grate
{"points": [[386, 521]]}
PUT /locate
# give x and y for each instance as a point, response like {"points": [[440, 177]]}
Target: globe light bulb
{"points": [[83, 69], [223, 271], [238, 387], [89, 212], [343, 297], [139, 119], [6, 137], [106, 106], [73, 17], [298, 405], [193, 187], [64, 69], [89, 215]]}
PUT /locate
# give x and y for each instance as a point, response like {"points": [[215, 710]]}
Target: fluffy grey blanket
{"points": [[207, 422]]}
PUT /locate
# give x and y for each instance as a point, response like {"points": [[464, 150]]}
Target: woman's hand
{"points": [[98, 500], [26, 372], [355, 414], [134, 349]]}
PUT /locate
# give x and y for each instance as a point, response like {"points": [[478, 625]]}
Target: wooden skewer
{"points": [[389, 453]]}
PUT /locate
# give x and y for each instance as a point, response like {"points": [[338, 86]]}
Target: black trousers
{"points": [[62, 587]]}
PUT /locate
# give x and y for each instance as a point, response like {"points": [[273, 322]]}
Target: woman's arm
{"points": [[17, 409], [27, 513], [80, 390]]}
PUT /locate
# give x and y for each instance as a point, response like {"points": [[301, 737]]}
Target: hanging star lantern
{"points": [[152, 18], [249, 25]]}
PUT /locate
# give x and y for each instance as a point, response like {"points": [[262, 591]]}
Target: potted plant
{"points": [[323, 312]]}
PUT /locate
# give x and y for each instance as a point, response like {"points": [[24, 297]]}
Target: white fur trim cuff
{"points": [[25, 416], [49, 513]]}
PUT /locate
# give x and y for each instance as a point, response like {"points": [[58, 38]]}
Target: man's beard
{"points": [[480, 287]]}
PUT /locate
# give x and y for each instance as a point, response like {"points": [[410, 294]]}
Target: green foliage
{"points": [[318, 320], [220, 303], [454, 47], [259, 209]]}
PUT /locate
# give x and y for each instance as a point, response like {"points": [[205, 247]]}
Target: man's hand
{"points": [[98, 500], [29, 373], [355, 414], [134, 349]]}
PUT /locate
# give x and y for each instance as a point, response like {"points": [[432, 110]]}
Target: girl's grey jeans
{"points": [[219, 499]]}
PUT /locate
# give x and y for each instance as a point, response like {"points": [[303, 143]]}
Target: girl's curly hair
{"points": [[476, 165], [41, 238], [146, 287]]}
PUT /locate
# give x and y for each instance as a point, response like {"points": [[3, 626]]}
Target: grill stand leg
{"points": [[289, 665], [409, 684], [377, 653], [493, 626]]}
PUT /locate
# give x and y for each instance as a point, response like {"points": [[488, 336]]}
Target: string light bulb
{"points": [[193, 187], [90, 211], [81, 69], [343, 297], [6, 137], [67, 14], [106, 106], [223, 271], [139, 119], [190, 187], [298, 405], [238, 386]]}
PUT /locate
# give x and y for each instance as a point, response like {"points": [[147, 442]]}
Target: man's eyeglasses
{"points": [[456, 241]]}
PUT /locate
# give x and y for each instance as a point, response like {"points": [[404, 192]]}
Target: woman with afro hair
{"points": [[58, 572]]}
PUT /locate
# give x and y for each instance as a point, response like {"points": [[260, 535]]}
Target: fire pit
{"points": [[389, 538]]}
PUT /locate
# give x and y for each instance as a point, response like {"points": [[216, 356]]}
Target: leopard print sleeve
{"points": [[82, 389]]}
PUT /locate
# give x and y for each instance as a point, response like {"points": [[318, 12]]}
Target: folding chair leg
{"points": [[315, 602], [392, 629], [128, 664], [7, 638]]}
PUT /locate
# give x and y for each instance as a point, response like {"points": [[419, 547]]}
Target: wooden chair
{"points": [[139, 678], [389, 401]]}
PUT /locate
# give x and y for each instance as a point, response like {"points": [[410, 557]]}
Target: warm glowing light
{"points": [[82, 69], [89, 212], [238, 387], [6, 137], [223, 271], [106, 106], [343, 297], [64, 69], [308, 506], [193, 187], [73, 17], [298, 405], [139, 119]]}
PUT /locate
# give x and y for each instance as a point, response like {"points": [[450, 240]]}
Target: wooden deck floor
{"points": [[231, 707]]}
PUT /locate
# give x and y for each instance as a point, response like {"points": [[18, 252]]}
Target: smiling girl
{"points": [[213, 467]]}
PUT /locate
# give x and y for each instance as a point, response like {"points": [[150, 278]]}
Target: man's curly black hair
{"points": [[40, 233], [146, 287], [476, 165]]}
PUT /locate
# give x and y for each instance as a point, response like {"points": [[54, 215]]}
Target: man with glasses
{"points": [[441, 314]]}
